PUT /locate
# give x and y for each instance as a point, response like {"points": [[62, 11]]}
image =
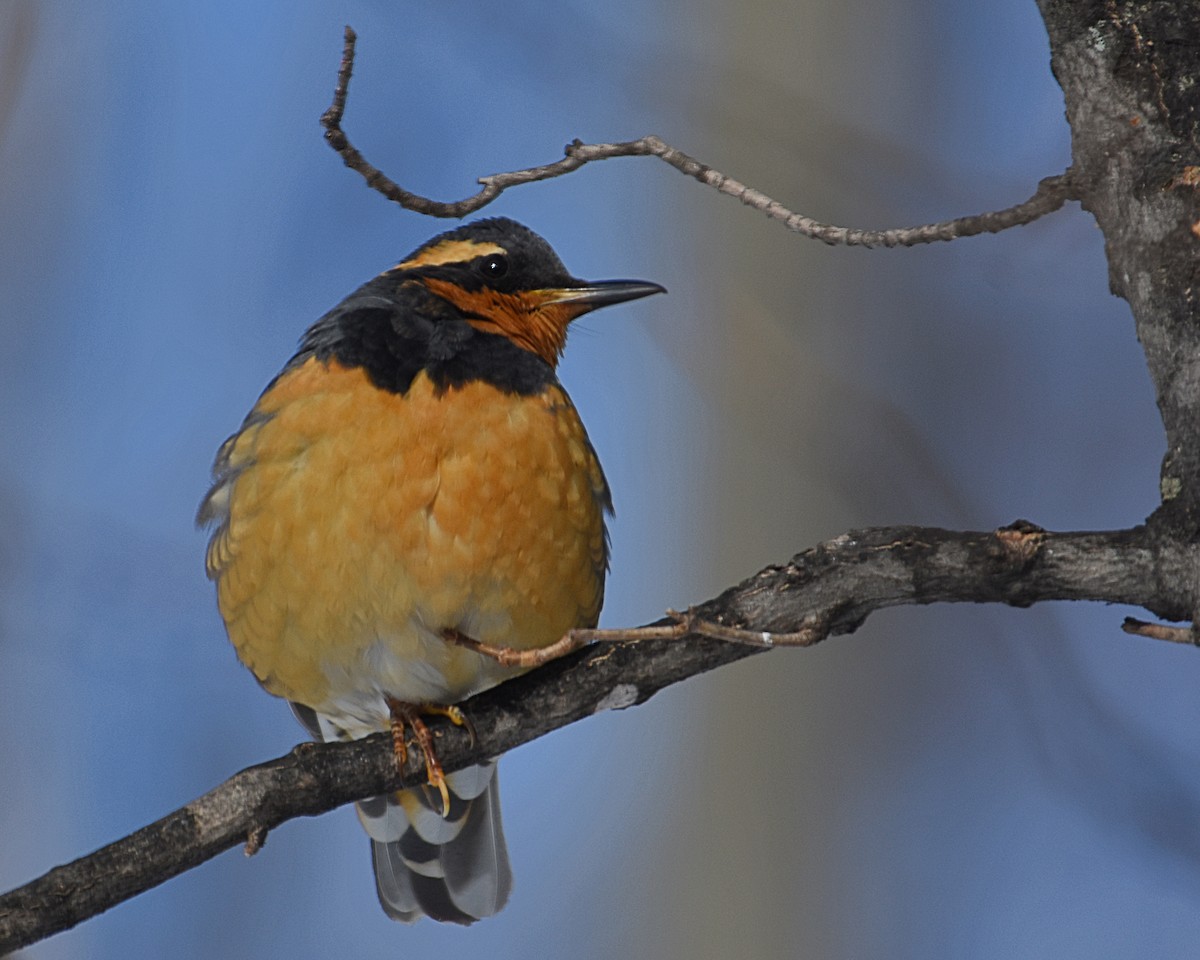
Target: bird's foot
{"points": [[408, 716]]}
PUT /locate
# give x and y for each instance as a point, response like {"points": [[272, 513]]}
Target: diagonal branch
{"points": [[1051, 193], [825, 591]]}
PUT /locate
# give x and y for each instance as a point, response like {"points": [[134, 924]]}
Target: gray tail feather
{"points": [[452, 868], [458, 871]]}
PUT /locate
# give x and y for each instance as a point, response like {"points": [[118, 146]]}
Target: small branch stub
{"points": [[255, 838], [1160, 631]]}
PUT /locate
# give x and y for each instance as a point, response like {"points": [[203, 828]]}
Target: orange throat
{"points": [[530, 319]]}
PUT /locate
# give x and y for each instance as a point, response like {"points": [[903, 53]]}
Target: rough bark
{"points": [[1128, 73]]}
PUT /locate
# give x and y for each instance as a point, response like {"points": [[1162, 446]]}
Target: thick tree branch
{"points": [[1051, 193], [828, 590]]}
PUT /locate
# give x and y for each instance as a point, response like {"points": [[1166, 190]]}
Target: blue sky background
{"points": [[962, 782]]}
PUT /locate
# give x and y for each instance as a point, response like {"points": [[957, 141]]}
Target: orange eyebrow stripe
{"points": [[451, 251]]}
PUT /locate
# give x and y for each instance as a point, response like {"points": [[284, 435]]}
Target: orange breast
{"points": [[361, 523]]}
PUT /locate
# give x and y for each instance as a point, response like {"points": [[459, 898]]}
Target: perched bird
{"points": [[417, 469]]}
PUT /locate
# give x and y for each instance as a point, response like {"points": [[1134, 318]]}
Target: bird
{"points": [[417, 471]]}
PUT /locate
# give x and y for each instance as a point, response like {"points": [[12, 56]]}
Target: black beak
{"points": [[603, 293]]}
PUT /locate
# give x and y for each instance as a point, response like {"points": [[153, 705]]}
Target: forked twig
{"points": [[1051, 193]]}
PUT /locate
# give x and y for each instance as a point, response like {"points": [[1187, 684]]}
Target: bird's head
{"points": [[505, 279]]}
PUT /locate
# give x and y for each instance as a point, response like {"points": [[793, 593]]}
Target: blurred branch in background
{"points": [[15, 55]]}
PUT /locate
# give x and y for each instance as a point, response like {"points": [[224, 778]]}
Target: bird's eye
{"points": [[495, 266]]}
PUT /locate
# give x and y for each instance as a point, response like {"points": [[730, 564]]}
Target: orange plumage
{"points": [[369, 514]]}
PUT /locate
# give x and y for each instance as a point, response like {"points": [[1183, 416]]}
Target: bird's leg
{"points": [[409, 715], [571, 641], [512, 657]]}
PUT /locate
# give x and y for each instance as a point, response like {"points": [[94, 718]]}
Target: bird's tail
{"points": [[453, 867]]}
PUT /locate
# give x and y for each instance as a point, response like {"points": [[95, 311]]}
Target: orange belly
{"points": [[362, 523]]}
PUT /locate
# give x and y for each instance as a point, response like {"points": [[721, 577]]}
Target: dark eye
{"points": [[495, 266]]}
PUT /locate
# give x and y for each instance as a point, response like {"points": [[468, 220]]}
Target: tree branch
{"points": [[828, 590], [1051, 193]]}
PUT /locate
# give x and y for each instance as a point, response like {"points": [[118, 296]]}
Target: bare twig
{"points": [[812, 628], [1051, 193]]}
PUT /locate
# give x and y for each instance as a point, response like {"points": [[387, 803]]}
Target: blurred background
{"points": [[949, 782]]}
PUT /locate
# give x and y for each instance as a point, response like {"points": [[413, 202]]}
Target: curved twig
{"points": [[1051, 193]]}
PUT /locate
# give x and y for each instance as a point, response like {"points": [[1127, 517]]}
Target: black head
{"points": [[505, 279]]}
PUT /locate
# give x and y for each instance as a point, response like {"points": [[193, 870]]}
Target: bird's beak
{"points": [[603, 293]]}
